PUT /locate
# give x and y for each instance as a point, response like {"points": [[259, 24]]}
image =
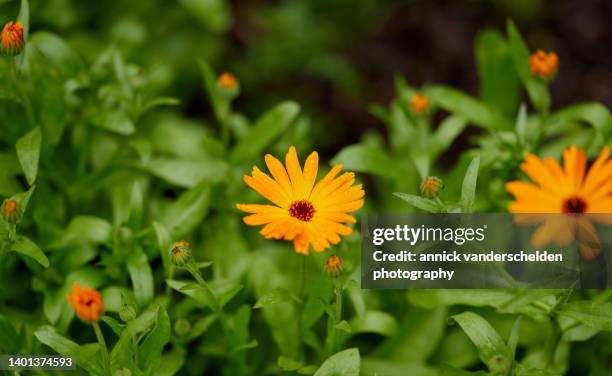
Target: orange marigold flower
{"points": [[12, 38], [419, 103], [303, 212], [544, 65], [86, 302], [333, 265], [431, 187], [9, 208], [227, 80], [570, 189]]}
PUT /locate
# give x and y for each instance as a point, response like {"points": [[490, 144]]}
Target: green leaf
{"points": [[448, 370], [28, 152], [115, 121], [596, 315], [201, 294], [150, 352], [476, 298], [344, 326], [86, 357], [10, 341], [160, 101], [537, 90], [521, 124], [499, 83], [61, 55], [344, 363], [274, 296], [188, 211], [420, 202], [593, 113], [384, 367], [468, 189], [266, 129], [417, 336], [491, 347], [141, 276], [164, 242], [172, 362], [24, 17], [122, 353], [467, 107], [446, 133], [187, 172], [88, 229], [368, 159], [514, 338], [27, 247], [374, 322]]}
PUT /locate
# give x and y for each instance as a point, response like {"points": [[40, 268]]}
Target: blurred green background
{"points": [[335, 58]]}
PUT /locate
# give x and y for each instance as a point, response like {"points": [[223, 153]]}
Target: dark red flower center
{"points": [[302, 210], [574, 205]]}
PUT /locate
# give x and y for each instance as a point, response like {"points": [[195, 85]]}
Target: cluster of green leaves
{"points": [[108, 173]]}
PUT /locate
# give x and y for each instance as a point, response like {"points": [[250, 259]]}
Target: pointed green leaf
{"points": [[468, 189], [345, 363], [420, 202], [28, 152], [266, 129], [491, 347], [27, 247]]}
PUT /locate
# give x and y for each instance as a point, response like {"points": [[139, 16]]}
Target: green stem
{"points": [[299, 306], [106, 357], [193, 270], [25, 99], [338, 303]]}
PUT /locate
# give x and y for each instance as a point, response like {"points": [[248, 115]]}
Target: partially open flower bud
{"points": [[12, 38], [431, 187], [333, 265], [86, 302], [182, 327], [419, 103], [228, 85], [9, 210], [181, 253], [544, 65]]}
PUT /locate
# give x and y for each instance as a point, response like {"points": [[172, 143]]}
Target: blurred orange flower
{"points": [[227, 80], [419, 103], [12, 38], [303, 212], [86, 302], [568, 190], [544, 65]]}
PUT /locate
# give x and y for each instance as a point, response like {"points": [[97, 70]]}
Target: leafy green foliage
{"points": [[117, 144]]}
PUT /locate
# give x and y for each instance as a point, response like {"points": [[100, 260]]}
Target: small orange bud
{"points": [[431, 187], [419, 103], [9, 208], [86, 302], [12, 38], [334, 265], [227, 80], [544, 65]]}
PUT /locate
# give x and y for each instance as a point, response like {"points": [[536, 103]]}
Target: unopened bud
{"points": [[9, 210], [12, 38], [228, 85], [431, 187], [182, 327], [419, 103], [333, 265], [181, 253]]}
